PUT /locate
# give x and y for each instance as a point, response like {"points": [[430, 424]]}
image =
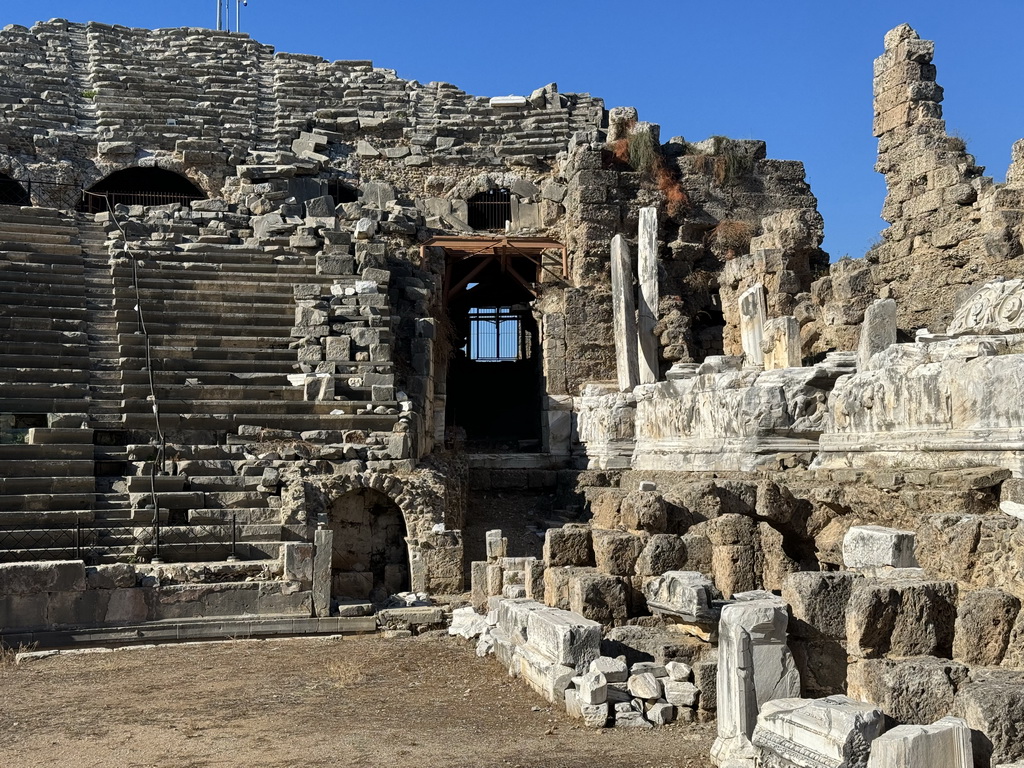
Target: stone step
{"points": [[154, 308], [49, 467], [24, 256], [71, 350], [191, 393], [49, 249], [39, 405], [229, 422], [30, 336], [251, 294], [45, 484], [60, 436], [219, 341], [32, 504], [183, 407], [49, 375], [60, 325], [166, 353]]}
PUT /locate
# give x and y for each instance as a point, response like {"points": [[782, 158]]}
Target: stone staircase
{"points": [[46, 454]]}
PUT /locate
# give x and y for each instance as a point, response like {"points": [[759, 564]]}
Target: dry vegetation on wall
{"points": [[639, 151], [731, 237]]}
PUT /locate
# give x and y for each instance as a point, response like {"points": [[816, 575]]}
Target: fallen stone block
{"points": [[645, 686], [467, 623], [568, 545], [565, 637], [594, 715], [598, 596], [678, 672], [685, 594], [512, 617], [616, 552], [661, 713], [872, 546], [614, 670], [834, 731], [547, 678], [944, 744], [680, 693], [656, 669], [592, 688], [496, 545]]}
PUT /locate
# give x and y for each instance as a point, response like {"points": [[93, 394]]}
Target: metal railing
{"points": [[125, 541], [43, 194], [490, 210], [96, 202], [52, 194]]}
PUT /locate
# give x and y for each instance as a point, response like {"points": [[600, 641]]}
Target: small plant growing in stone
{"points": [[88, 95], [731, 237]]}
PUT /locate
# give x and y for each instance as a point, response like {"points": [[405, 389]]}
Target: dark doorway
{"points": [[140, 186], [12, 192], [341, 192], [490, 210], [494, 379], [370, 559]]}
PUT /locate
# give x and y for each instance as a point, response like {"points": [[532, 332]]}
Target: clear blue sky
{"points": [[795, 73]]}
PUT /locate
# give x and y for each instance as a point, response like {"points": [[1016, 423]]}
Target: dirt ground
{"points": [[355, 701]]}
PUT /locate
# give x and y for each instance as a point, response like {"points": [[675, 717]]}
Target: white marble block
{"points": [[943, 744], [755, 666], [834, 732], [872, 546]]}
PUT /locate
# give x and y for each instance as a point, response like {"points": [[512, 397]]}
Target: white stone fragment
{"points": [[833, 731], [872, 546], [681, 693], [661, 713], [594, 715], [592, 688], [614, 670], [943, 744], [678, 671], [645, 686]]}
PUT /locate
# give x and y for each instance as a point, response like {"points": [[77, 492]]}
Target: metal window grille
{"points": [[495, 335], [490, 210]]}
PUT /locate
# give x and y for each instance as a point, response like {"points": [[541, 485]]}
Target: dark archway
{"points": [[12, 192], [140, 186], [490, 210], [370, 558]]}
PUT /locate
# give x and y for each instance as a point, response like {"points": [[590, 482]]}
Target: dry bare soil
{"points": [[426, 701]]}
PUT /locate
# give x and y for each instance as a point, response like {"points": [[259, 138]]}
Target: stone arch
{"points": [[433, 519], [141, 185], [369, 559], [13, 192]]}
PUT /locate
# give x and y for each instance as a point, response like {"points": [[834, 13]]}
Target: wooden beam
{"points": [[469, 278]]}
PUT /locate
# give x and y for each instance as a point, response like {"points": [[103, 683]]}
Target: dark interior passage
{"points": [[494, 382], [140, 186], [370, 558], [13, 192]]}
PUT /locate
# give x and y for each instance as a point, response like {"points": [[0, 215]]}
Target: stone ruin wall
{"points": [[950, 227]]}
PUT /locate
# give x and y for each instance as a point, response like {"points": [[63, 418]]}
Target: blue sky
{"points": [[795, 73]]}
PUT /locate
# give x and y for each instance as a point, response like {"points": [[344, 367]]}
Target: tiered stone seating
{"points": [[48, 474]]}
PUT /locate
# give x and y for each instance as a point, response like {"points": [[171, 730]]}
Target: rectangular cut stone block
{"points": [[647, 298], [323, 546], [943, 744], [568, 545], [781, 343], [534, 579], [598, 596], [904, 616], [565, 637], [624, 315], [512, 617], [546, 677], [497, 546], [298, 562], [556, 587], [833, 732], [877, 332], [753, 311], [872, 546], [478, 585], [754, 666], [43, 576]]}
